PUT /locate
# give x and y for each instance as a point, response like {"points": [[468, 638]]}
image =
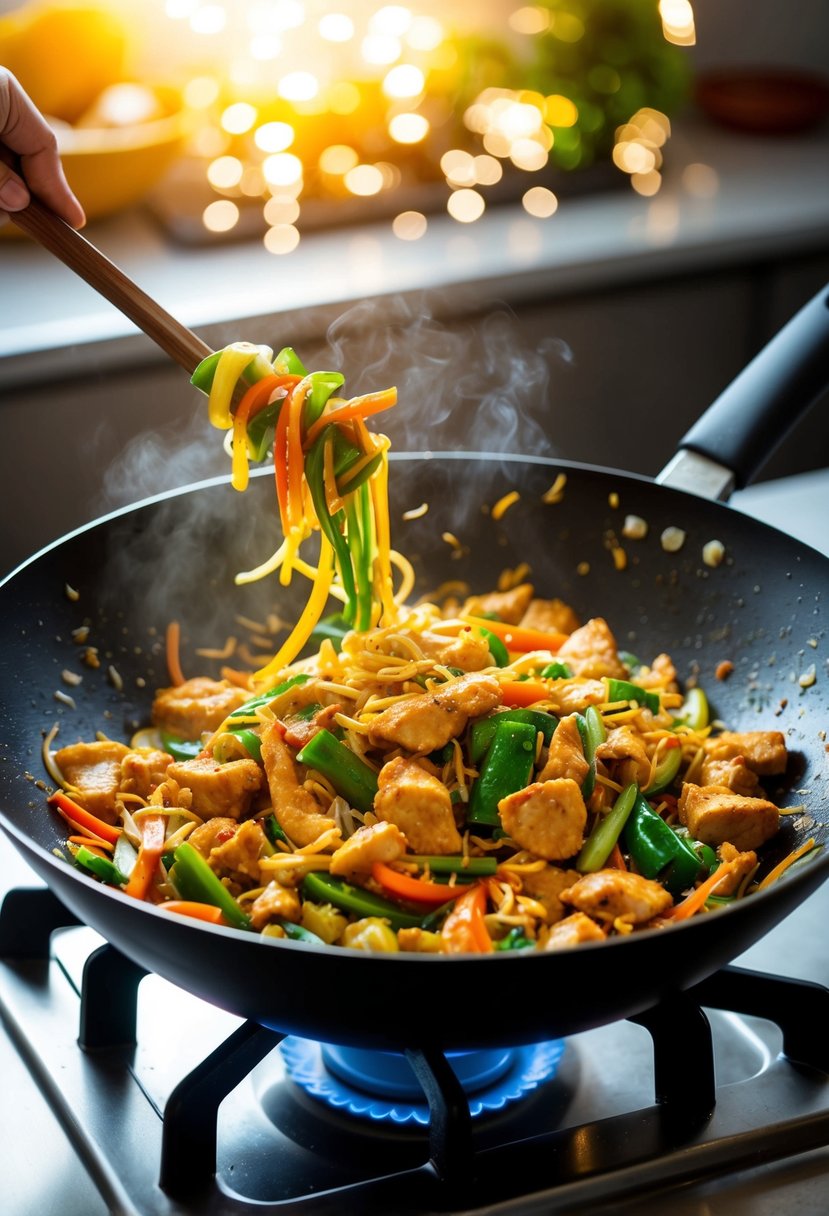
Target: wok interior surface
{"points": [[763, 609]]}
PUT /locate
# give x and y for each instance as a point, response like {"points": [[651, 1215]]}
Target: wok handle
{"points": [[755, 413]]}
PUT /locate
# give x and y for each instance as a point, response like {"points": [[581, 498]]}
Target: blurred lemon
{"points": [[63, 54]]}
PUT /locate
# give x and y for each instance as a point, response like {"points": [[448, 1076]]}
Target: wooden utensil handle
{"points": [[80, 255]]}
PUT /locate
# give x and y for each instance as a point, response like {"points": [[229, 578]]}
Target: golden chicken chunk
{"points": [[419, 804], [275, 902], [509, 606], [591, 651], [566, 755], [572, 696], [238, 858], [546, 885], [552, 616], [377, 842], [297, 811], [714, 814], [143, 769], [746, 864], [609, 894], [212, 833], [188, 710], [94, 769], [547, 818], [573, 931], [425, 722], [733, 774], [218, 789], [764, 751], [466, 651], [625, 750]]}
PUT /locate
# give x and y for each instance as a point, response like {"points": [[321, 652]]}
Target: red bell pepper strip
{"points": [[75, 814], [464, 931]]}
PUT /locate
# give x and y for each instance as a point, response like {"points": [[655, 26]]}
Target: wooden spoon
{"points": [[80, 255]]}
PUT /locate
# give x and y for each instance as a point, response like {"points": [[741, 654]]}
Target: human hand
{"points": [[24, 131]]}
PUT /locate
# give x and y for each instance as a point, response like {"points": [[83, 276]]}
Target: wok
{"points": [[764, 609]]}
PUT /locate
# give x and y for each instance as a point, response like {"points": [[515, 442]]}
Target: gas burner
{"points": [[382, 1087]]}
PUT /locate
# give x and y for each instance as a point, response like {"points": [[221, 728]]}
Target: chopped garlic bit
{"points": [[81, 634], [635, 528], [416, 512], [71, 593], [65, 699], [713, 552], [556, 490], [115, 678], [808, 678], [71, 677], [672, 540]]}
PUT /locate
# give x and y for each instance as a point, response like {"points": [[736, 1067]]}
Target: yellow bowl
{"points": [[111, 168]]}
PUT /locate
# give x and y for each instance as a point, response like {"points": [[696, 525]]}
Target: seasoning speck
{"points": [[808, 678], [613, 500], [723, 670], [635, 528], [71, 593], [71, 677], [583, 568], [81, 634], [65, 699], [672, 540], [713, 553], [115, 678], [620, 558]]}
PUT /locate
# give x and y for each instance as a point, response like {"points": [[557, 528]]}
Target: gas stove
{"points": [[121, 1093]]}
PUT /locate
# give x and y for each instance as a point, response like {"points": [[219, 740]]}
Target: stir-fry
{"points": [[465, 776]]}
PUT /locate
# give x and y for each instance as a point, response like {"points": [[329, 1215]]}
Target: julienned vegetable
{"points": [[592, 731], [327, 888], [606, 832], [101, 867], [481, 732], [506, 769], [350, 776], [623, 690], [658, 851], [195, 881]]}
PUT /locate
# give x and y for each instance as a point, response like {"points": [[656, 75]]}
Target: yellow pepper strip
{"points": [[232, 362], [312, 612]]}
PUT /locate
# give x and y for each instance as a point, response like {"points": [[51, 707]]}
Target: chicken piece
{"points": [[275, 902], [299, 731], [466, 651], [552, 616], [419, 941], [212, 833], [623, 746], [547, 818], [509, 606], [591, 651], [94, 770], [733, 774], [764, 751], [377, 842], [238, 858], [714, 814], [546, 885], [573, 931], [573, 696], [428, 721], [297, 811], [218, 789], [419, 804], [188, 710], [660, 674], [143, 769], [609, 894], [746, 864], [566, 755]]}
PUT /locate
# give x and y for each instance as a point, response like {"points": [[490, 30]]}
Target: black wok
{"points": [[764, 608]]}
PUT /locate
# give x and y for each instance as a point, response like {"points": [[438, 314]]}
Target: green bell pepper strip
{"points": [[249, 740], [331, 525], [482, 730], [497, 650], [657, 851], [606, 831], [101, 867], [694, 710], [506, 768], [180, 749], [624, 690], [193, 879], [592, 731], [666, 771], [631, 661], [516, 939], [323, 385], [272, 830], [260, 429], [556, 671], [288, 363], [298, 933], [475, 867], [248, 709], [350, 776], [324, 888]]}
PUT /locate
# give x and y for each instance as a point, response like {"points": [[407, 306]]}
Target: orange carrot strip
{"points": [[102, 848], [189, 907], [464, 931], [403, 886], [523, 692], [296, 462], [693, 902], [173, 660], [79, 818], [358, 407], [280, 461], [616, 860], [518, 637], [254, 400], [154, 829]]}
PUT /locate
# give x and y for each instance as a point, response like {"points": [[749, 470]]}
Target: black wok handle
{"points": [[758, 409]]}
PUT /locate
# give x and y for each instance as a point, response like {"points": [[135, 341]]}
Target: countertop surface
{"points": [[726, 198]]}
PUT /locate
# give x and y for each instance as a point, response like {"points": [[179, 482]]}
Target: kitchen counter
{"points": [[756, 198]]}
